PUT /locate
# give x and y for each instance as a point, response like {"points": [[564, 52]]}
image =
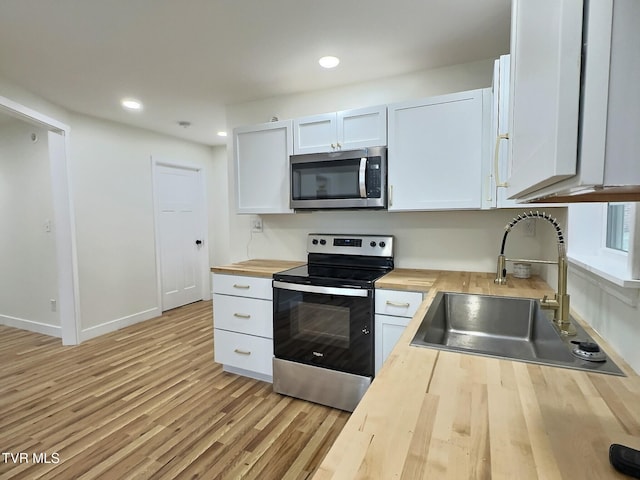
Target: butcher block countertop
{"points": [[257, 267], [408, 279], [443, 415]]}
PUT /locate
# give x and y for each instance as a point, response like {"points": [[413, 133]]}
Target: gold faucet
{"points": [[560, 302]]}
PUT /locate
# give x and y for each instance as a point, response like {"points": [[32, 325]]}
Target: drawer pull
{"points": [[244, 287], [398, 304], [242, 352], [241, 315]]}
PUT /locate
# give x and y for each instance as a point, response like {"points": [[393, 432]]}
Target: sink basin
{"points": [[506, 327]]}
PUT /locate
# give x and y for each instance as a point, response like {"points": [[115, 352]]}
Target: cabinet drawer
{"points": [[243, 351], [243, 315], [397, 302], [242, 286]]}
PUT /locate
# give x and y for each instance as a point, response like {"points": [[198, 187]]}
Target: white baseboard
{"points": [[119, 323], [31, 326]]}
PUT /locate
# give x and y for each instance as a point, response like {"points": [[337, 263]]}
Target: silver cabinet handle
{"points": [[333, 145], [362, 177], [244, 287], [242, 315], [398, 304], [242, 352]]}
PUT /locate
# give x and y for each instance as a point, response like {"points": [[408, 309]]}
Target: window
{"points": [[618, 226], [604, 239]]}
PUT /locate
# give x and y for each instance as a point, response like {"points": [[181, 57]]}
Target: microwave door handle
{"points": [[362, 177]]}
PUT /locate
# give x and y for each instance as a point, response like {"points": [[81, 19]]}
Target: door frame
{"points": [[203, 220], [65, 227]]}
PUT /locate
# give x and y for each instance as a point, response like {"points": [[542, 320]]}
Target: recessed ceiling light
{"points": [[131, 104], [222, 134], [329, 62]]}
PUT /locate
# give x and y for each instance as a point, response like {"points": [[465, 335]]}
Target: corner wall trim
{"points": [[117, 324], [31, 326]]}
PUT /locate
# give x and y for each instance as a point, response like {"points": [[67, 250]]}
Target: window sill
{"points": [[604, 269]]}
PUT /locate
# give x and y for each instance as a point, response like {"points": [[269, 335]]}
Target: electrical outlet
{"points": [[54, 304], [529, 226], [256, 225]]}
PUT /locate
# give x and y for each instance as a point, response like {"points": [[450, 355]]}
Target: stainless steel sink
{"points": [[506, 327]]}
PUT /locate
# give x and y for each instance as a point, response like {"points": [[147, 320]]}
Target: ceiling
{"points": [[187, 59]]}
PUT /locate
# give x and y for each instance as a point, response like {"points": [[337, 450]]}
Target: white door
{"points": [[180, 234]]}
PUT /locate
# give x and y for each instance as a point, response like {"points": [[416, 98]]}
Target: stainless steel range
{"points": [[323, 319]]}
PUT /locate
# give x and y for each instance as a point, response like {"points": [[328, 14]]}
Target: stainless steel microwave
{"points": [[348, 179]]}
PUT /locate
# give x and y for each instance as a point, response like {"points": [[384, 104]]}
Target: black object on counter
{"points": [[625, 459]]}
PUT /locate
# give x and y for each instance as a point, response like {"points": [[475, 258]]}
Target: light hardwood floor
{"points": [[146, 402]]}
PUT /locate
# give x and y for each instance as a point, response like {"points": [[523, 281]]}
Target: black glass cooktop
{"points": [[333, 276]]}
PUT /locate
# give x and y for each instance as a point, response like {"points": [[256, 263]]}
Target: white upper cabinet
{"points": [[575, 108], [546, 46], [436, 151], [499, 171], [346, 130], [261, 155]]}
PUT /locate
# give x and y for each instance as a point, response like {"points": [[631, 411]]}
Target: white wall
{"points": [[18, 94], [218, 207], [27, 251], [612, 311], [113, 198], [460, 240]]}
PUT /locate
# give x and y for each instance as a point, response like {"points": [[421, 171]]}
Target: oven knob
{"points": [[373, 244], [382, 244], [323, 242], [314, 241]]}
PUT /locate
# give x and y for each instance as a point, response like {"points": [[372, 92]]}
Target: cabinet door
{"points": [[500, 130], [317, 133], [254, 354], [362, 128], [546, 45], [388, 331], [243, 315], [261, 156], [435, 152], [242, 286]]}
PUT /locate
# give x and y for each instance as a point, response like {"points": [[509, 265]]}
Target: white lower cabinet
{"points": [[248, 352], [394, 310], [243, 326]]}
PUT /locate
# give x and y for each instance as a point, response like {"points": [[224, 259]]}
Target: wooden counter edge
{"points": [[257, 267]]}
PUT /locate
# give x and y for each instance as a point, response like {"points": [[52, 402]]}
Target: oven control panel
{"points": [[370, 245]]}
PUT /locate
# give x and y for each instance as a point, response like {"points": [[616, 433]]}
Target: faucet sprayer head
{"points": [[536, 214]]}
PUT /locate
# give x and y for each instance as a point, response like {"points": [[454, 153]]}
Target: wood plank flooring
{"points": [[149, 402]]}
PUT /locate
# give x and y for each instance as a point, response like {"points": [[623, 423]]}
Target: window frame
{"points": [[587, 244]]}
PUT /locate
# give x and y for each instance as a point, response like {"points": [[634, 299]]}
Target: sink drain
{"points": [[589, 351]]}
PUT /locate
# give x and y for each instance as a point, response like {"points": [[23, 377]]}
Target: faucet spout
{"points": [[560, 303]]}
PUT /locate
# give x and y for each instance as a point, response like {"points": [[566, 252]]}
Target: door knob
{"points": [[198, 242]]}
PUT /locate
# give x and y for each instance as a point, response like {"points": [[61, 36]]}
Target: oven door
{"points": [[324, 326]]}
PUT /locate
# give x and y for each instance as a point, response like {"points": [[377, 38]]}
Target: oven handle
{"points": [[346, 292], [362, 177]]}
